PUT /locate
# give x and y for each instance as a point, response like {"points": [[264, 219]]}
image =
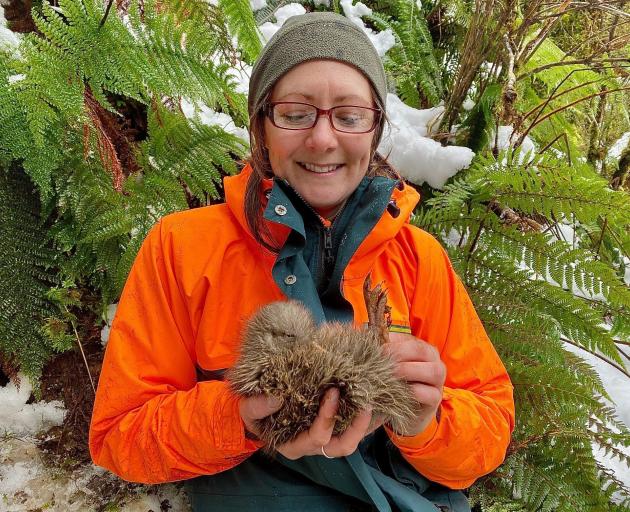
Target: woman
{"points": [[309, 219]]}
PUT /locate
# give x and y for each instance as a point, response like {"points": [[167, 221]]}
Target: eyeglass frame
{"points": [[268, 109]]}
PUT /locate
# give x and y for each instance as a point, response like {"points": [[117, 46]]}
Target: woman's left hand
{"points": [[420, 365]]}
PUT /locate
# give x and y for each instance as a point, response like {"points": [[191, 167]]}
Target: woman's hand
{"points": [[420, 365], [320, 435]]}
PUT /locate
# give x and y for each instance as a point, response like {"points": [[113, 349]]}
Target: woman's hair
{"points": [[261, 167]]}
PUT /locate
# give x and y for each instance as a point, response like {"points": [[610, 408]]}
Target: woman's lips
{"points": [[320, 169]]}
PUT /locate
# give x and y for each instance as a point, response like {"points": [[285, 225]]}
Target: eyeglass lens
{"points": [[297, 116]]}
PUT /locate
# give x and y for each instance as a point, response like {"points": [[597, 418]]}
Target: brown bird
{"points": [[286, 355]]}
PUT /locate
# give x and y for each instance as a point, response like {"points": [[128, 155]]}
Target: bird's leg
{"points": [[379, 313]]}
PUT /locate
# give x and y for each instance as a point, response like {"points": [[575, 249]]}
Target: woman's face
{"points": [[323, 165]]}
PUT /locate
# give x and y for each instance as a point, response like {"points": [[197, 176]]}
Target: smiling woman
{"points": [[314, 214], [321, 163]]}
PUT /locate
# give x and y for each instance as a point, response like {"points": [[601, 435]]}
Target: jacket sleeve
{"points": [[152, 422], [477, 410]]}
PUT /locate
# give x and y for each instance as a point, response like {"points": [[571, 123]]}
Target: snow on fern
{"points": [[418, 158]]}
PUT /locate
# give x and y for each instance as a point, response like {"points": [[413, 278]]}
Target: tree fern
{"points": [[535, 293], [411, 62], [27, 271], [242, 24]]}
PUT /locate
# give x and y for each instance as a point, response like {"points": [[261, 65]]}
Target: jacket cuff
{"points": [[416, 442]]}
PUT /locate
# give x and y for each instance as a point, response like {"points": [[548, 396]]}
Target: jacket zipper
{"points": [[326, 255]]}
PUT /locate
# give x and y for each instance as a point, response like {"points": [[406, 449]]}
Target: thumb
{"points": [[259, 406]]}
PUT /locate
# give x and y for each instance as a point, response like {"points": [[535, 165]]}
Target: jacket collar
{"points": [[403, 200]]}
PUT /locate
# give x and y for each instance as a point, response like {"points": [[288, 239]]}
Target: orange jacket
{"points": [[199, 275]]}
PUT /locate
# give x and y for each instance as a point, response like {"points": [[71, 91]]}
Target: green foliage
{"points": [[537, 294], [479, 124], [63, 100], [411, 62], [27, 270], [91, 111], [554, 87], [242, 24]]}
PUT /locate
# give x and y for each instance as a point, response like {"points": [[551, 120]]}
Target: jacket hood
{"points": [[402, 202]]}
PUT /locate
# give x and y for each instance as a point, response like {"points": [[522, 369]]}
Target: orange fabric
{"points": [[197, 278]]}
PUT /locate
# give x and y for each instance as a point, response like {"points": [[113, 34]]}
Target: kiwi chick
{"points": [[286, 355]]}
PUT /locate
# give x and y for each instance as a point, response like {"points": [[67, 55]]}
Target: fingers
{"points": [[320, 433], [257, 407], [429, 396], [404, 347], [346, 443], [324, 422], [432, 373]]}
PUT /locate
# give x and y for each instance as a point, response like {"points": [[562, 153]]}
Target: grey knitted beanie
{"points": [[315, 35]]}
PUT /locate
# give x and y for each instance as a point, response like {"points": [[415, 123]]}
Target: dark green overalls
{"points": [[375, 477]]}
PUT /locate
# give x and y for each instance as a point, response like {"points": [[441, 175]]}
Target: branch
{"points": [[572, 50], [87, 366], [104, 19], [601, 6], [551, 97], [529, 50], [587, 60], [564, 107], [627, 356], [599, 356]]}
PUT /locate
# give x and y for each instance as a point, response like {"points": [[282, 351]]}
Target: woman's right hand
{"points": [[320, 434]]}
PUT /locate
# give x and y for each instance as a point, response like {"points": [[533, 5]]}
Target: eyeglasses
{"points": [[291, 115]]}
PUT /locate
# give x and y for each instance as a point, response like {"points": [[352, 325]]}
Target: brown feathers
{"points": [[285, 354]]}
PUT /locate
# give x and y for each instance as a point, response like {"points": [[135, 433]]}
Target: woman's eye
{"points": [[350, 117], [296, 117]]}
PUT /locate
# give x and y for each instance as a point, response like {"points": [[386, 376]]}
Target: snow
{"points": [[256, 5], [204, 114], [27, 483], [567, 232], [109, 318], [418, 158], [8, 38], [617, 386], [382, 41], [20, 418], [241, 73], [468, 104], [285, 12], [507, 138], [16, 78], [620, 144]]}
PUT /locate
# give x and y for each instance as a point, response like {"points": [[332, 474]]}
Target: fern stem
{"points": [[571, 62], [104, 19], [87, 367], [475, 240], [568, 105], [552, 96], [599, 243], [599, 356], [564, 137], [557, 197]]}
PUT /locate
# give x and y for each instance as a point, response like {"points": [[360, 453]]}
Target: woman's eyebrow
{"points": [[337, 99]]}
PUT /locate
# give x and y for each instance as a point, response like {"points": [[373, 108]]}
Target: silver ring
{"points": [[325, 454]]}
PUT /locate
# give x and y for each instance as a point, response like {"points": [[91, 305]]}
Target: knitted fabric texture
{"points": [[311, 36]]}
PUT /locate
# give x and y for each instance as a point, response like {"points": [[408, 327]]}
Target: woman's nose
{"points": [[322, 136]]}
